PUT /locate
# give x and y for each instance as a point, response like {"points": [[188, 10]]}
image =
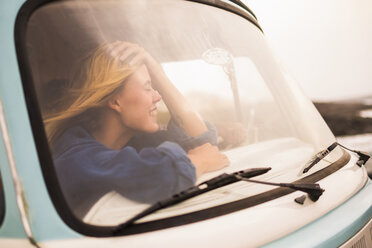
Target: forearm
{"points": [[182, 113]]}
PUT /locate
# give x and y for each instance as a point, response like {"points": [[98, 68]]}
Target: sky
{"points": [[325, 44]]}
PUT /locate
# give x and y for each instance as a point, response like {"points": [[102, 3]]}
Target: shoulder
{"points": [[72, 137]]}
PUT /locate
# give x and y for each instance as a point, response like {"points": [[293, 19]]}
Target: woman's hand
{"points": [[134, 55], [207, 158]]}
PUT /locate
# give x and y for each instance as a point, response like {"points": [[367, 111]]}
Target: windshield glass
{"points": [[143, 99]]}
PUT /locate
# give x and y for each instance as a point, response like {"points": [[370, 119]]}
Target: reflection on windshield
{"points": [[140, 101]]}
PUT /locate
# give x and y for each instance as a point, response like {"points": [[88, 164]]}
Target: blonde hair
{"points": [[102, 76]]}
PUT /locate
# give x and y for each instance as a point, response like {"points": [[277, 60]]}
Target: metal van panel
{"points": [[40, 210]]}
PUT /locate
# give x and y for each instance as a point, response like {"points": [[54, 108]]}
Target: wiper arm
{"points": [[313, 189], [211, 184]]}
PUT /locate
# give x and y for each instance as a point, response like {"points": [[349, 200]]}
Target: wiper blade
{"points": [[211, 184], [319, 156], [363, 156]]}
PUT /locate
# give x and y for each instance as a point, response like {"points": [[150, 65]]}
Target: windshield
{"points": [[143, 99]]}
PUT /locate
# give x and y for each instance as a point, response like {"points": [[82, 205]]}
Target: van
{"points": [[289, 182]]}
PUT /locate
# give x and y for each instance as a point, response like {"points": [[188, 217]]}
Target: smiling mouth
{"points": [[154, 112]]}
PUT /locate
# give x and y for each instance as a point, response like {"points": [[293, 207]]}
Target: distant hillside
{"points": [[343, 117]]}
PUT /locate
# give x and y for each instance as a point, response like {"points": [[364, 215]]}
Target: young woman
{"points": [[107, 137]]}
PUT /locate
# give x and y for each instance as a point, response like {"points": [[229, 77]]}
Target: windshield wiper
{"points": [[211, 184], [314, 191], [319, 156], [363, 156]]}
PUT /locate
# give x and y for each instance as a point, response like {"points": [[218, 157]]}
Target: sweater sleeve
{"points": [[152, 174], [177, 135], [87, 170], [187, 142]]}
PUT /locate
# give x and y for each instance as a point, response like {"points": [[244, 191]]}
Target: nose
{"points": [[156, 96]]}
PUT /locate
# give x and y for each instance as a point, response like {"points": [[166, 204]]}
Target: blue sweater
{"points": [[151, 167]]}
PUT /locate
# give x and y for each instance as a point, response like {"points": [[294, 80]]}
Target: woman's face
{"points": [[137, 102]]}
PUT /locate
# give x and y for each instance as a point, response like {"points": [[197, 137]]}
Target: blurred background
{"points": [[327, 46]]}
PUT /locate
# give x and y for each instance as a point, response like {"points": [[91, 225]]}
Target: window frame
{"points": [[2, 201]]}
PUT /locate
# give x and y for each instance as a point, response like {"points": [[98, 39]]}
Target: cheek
{"points": [[135, 107], [141, 102]]}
